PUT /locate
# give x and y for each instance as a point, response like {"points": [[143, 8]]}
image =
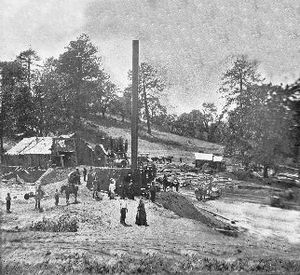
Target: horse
{"points": [[200, 193], [165, 183], [69, 189]]}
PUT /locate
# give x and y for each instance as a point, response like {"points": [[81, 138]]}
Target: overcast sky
{"points": [[196, 40]]}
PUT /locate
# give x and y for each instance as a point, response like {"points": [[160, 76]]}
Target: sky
{"points": [[195, 41]]}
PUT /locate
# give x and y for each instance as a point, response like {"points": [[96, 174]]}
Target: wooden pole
{"points": [[134, 109]]}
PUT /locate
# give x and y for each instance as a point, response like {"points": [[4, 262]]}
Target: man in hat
{"points": [[123, 211], [77, 181], [56, 197], [38, 197], [152, 192], [90, 179]]}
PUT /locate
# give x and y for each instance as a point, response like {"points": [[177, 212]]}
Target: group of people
{"points": [[141, 216], [126, 191]]}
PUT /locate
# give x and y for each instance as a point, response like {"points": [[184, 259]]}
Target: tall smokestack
{"points": [[134, 108]]}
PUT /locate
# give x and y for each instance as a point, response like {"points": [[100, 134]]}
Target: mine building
{"points": [[60, 151]]}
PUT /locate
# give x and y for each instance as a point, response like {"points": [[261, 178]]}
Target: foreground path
{"points": [[101, 236]]}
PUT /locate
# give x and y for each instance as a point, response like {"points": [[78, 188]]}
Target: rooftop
{"points": [[32, 146]]}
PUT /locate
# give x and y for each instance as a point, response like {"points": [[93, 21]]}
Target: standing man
{"points": [[8, 203], [90, 179], [123, 211], [130, 191], [38, 197], [165, 182], [95, 186], [152, 192], [56, 196], [84, 173]]}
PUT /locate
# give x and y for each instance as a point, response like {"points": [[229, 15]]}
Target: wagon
{"points": [[204, 193]]}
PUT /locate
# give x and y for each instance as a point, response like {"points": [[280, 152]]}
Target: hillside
{"points": [[158, 144]]}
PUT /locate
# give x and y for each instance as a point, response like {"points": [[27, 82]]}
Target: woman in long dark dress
{"points": [[141, 217]]}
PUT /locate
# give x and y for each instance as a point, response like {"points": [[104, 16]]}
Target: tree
{"points": [[293, 102], [237, 79], [104, 96], [151, 84], [213, 123], [82, 70], [24, 110], [52, 102], [11, 75], [121, 105], [156, 110], [259, 127], [26, 59]]}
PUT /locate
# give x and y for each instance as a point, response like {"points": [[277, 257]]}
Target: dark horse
{"points": [[69, 189]]}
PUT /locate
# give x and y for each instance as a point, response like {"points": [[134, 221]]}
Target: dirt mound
{"points": [[55, 175], [64, 223], [21, 175], [185, 208]]}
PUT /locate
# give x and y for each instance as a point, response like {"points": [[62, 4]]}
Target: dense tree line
{"points": [[54, 97], [38, 99], [262, 127], [258, 125]]}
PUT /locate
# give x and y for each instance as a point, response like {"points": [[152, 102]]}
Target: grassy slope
{"points": [[158, 144]]}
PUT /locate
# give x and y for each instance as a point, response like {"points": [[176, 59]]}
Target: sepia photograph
{"points": [[150, 137]]}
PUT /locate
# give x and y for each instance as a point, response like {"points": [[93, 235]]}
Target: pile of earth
{"points": [[53, 175], [21, 175], [186, 209], [65, 223]]}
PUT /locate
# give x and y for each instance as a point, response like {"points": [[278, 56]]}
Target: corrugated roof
{"points": [[32, 146]]}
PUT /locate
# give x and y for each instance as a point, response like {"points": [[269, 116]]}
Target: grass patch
{"points": [[83, 264]]}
